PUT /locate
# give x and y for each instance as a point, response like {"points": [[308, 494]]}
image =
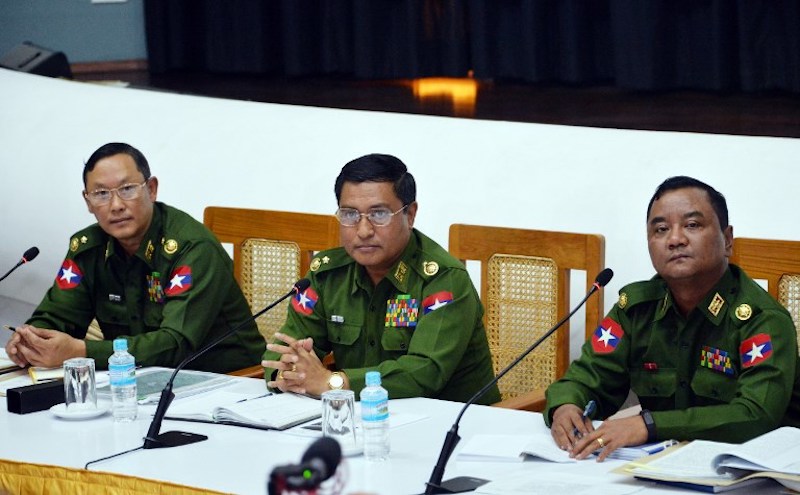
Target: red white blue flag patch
{"points": [[180, 281], [755, 350], [305, 301], [69, 276], [607, 336], [436, 301]]}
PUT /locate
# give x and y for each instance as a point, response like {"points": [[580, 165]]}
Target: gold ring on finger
{"points": [[280, 375], [294, 367], [600, 441]]}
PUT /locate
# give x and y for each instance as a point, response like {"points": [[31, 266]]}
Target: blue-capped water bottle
{"points": [[122, 377], [375, 418]]}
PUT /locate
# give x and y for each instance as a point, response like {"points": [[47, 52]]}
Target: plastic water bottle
{"points": [[122, 375], [375, 418]]}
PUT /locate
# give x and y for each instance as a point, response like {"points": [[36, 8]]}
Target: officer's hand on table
{"points": [[610, 436], [566, 419], [48, 348], [13, 349], [299, 368]]}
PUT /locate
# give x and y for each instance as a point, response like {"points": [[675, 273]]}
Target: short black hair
{"points": [[111, 149], [716, 198], [378, 168]]}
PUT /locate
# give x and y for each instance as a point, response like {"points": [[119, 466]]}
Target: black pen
{"points": [[13, 329], [587, 411]]}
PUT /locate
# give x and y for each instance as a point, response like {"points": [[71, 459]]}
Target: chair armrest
{"points": [[255, 371], [529, 401]]}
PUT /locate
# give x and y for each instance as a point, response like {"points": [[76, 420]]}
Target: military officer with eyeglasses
{"points": [[390, 299], [145, 271]]}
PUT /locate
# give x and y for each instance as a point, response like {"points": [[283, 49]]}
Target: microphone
{"points": [[27, 256], [317, 465], [154, 440], [468, 483]]}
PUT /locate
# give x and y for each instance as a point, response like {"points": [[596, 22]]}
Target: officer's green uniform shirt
{"points": [[728, 372], [420, 326], [174, 295]]}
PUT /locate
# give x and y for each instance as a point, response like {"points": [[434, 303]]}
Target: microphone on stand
{"points": [[317, 465], [154, 440], [467, 483], [27, 256]]}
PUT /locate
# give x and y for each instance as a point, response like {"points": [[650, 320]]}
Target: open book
{"points": [[716, 466], [268, 411]]}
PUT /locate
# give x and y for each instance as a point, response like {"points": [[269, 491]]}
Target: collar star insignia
{"points": [[400, 272], [623, 300], [430, 268], [326, 260], [716, 304], [84, 240], [743, 312], [148, 252]]}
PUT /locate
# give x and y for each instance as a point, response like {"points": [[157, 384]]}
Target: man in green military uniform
{"points": [[145, 271], [709, 353], [390, 300]]}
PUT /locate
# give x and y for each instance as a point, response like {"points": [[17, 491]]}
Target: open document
{"points": [[266, 411], [716, 466]]}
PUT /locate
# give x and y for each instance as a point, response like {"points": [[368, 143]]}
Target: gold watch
{"points": [[336, 381]]}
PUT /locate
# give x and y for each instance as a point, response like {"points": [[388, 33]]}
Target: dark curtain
{"points": [[643, 45]]}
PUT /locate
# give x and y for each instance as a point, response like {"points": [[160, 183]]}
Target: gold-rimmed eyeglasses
{"points": [[379, 217], [126, 192]]}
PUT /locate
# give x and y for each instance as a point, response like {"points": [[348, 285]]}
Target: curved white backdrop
{"points": [[209, 151]]}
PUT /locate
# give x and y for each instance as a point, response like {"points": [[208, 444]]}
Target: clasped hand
{"points": [[299, 369]]}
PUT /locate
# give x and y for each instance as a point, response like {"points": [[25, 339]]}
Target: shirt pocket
{"points": [[153, 315], [112, 315], [656, 384], [344, 334], [713, 387], [396, 339]]}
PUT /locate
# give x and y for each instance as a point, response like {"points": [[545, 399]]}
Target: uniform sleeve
{"points": [[68, 305], [768, 354], [437, 345], [599, 376], [197, 287]]}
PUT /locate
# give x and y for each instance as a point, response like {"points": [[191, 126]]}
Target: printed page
{"points": [[778, 450], [693, 460], [538, 481], [273, 410]]}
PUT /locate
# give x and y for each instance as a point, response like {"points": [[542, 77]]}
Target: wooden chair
{"points": [[525, 289], [271, 251], [777, 262]]}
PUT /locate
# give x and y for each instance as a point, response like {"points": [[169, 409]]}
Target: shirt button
{"points": [[402, 345], [683, 383], [372, 308], [372, 343], [684, 346]]}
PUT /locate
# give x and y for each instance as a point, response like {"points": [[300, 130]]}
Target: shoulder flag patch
{"points": [[755, 350], [607, 336], [69, 276], [305, 301], [180, 281], [436, 301]]}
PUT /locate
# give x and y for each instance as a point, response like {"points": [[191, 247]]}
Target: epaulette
{"points": [[433, 258], [86, 239], [330, 259], [639, 292]]}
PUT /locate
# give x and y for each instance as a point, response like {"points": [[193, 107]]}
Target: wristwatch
{"points": [[336, 381], [649, 424]]}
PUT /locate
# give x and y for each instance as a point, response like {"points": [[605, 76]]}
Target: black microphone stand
{"points": [[154, 440], [467, 483]]}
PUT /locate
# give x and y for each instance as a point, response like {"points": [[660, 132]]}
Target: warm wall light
{"points": [[463, 92]]}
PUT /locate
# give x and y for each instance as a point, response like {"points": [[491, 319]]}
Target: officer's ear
{"points": [[152, 187], [728, 233]]}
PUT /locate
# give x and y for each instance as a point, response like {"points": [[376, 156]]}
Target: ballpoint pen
{"points": [[587, 411], [13, 329]]}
